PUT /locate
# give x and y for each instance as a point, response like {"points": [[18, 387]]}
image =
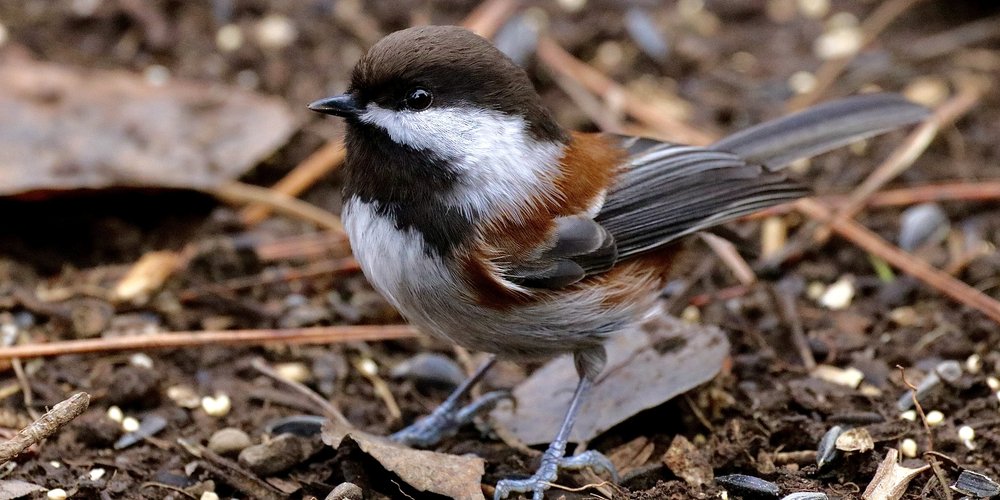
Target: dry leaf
{"points": [[687, 462], [645, 368], [450, 475], [891, 479], [631, 455], [64, 128]]}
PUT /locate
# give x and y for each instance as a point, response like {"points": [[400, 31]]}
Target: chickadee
{"points": [[488, 225]]}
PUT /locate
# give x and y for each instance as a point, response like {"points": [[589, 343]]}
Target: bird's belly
{"points": [[425, 290]]}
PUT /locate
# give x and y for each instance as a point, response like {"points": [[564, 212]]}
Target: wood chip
{"points": [[891, 479]]}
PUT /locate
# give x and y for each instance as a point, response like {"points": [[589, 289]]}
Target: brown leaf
{"points": [[64, 128], [631, 455], [645, 368], [687, 462], [891, 479], [450, 475]]}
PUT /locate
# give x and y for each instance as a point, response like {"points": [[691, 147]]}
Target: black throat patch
{"points": [[405, 184]]}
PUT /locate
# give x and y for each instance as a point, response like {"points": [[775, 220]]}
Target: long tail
{"points": [[822, 128]]}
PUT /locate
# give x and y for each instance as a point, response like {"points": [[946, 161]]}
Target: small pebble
{"points": [[430, 368], [814, 9], [149, 426], [96, 474], [935, 418], [973, 364], [802, 82], [84, 8], [815, 290], [993, 383], [904, 316], [275, 32], [691, 314], [743, 62], [368, 367], [209, 495], [278, 454], [229, 38], [910, 415], [848, 377], [141, 360], [57, 494], [130, 424], [838, 43], [966, 434], [115, 413], [56, 464], [229, 441], [346, 491], [296, 371], [908, 448], [839, 295], [923, 224], [183, 396], [217, 406], [646, 35], [927, 90]]}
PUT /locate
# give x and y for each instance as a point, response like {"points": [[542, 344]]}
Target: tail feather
{"points": [[822, 128]]}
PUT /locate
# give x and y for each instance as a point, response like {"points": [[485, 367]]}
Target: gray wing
{"points": [[668, 191]]}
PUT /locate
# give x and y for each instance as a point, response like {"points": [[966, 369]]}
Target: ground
{"points": [[730, 68]]}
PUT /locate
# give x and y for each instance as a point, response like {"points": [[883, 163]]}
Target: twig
{"points": [[238, 192], [789, 310], [920, 409], [489, 16], [939, 474], [563, 63], [316, 335], [827, 74], [951, 191], [53, 420], [324, 268], [330, 411], [947, 42], [231, 473], [904, 155], [381, 390], [873, 243], [732, 258], [317, 165]]}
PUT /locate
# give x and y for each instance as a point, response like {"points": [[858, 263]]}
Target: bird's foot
{"points": [[446, 420], [552, 462]]}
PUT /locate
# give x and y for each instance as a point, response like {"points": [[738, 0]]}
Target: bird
{"points": [[488, 225]]}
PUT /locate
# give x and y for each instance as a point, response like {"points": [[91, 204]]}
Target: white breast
{"points": [[394, 261]]}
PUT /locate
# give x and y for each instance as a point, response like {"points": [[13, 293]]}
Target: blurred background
{"points": [[151, 154]]}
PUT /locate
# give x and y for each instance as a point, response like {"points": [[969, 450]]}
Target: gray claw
{"points": [[445, 421], [548, 471]]}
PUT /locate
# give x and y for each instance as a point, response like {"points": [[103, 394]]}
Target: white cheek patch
{"points": [[501, 165]]}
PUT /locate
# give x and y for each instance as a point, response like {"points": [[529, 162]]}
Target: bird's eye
{"points": [[419, 99]]}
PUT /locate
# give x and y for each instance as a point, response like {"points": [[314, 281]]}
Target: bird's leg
{"points": [[555, 457], [447, 418]]}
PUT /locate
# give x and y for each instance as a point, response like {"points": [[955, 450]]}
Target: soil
{"points": [[749, 420]]}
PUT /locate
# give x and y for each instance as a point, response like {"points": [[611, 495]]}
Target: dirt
{"points": [[56, 251]]}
